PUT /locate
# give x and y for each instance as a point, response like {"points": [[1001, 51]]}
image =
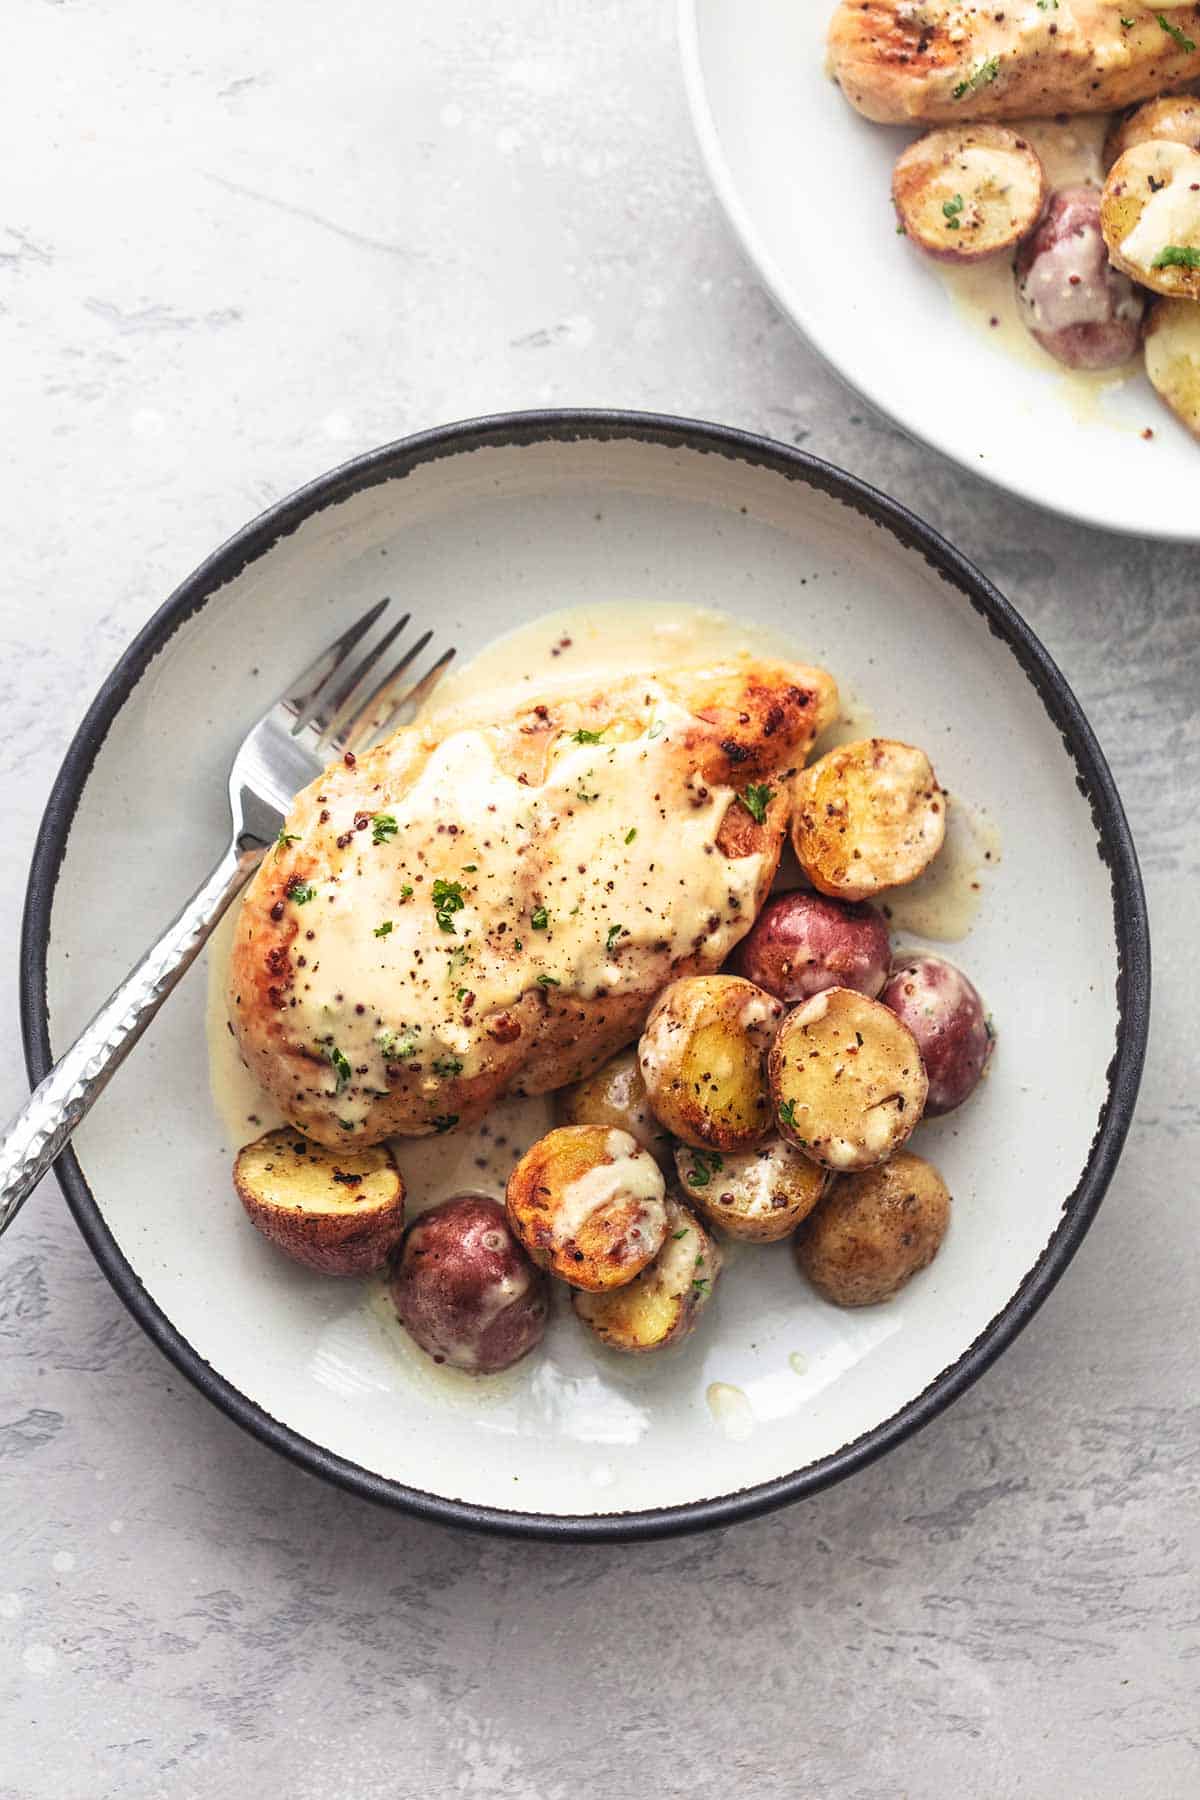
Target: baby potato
{"points": [[759, 1195], [946, 1015], [1174, 118], [337, 1211], [1173, 358], [616, 1095], [1081, 310], [846, 1079], [867, 816], [464, 1289], [968, 191], [589, 1204], [1150, 216], [663, 1303], [874, 1230], [802, 943], [702, 1057]]}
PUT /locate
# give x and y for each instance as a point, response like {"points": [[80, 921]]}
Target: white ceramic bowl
{"points": [[806, 184], [477, 528]]}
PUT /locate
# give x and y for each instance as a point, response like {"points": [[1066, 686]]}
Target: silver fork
{"points": [[335, 706]]}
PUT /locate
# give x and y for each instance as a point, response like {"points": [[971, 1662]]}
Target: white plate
{"points": [[806, 183], [478, 528]]}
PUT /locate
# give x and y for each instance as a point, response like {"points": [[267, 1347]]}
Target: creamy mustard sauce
{"points": [[1170, 216], [629, 1173], [731, 1410], [943, 903]]}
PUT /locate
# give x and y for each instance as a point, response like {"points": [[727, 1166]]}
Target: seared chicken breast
{"points": [[459, 914], [932, 62]]}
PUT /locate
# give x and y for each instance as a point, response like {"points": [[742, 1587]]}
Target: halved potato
{"points": [[663, 1303], [1150, 217], [846, 1079], [1173, 358], [968, 191], [340, 1212], [759, 1195], [616, 1095], [703, 1060], [869, 815], [873, 1231], [589, 1204], [1174, 118]]}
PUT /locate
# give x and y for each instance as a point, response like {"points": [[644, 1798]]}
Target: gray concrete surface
{"points": [[236, 244]]}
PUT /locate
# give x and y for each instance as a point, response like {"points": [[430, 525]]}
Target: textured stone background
{"points": [[238, 243]]}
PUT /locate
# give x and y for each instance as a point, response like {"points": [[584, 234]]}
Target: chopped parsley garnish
{"points": [[394, 1048], [385, 929], [301, 892], [1173, 31], [348, 1124], [447, 900], [445, 1122], [787, 1112], [340, 1065], [702, 1285], [755, 802], [1047, 5], [982, 75], [1177, 256], [447, 1065], [580, 795], [406, 892], [383, 826], [470, 868], [284, 839], [548, 981], [614, 932], [656, 730], [587, 737], [631, 834], [539, 918], [461, 993], [676, 1235], [1128, 24], [952, 208], [705, 1164]]}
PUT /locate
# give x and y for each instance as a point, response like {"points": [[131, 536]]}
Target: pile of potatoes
{"points": [[1099, 272], [773, 1100]]}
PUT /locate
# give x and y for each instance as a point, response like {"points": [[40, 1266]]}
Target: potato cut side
{"points": [[589, 1204], [868, 816], [663, 1303], [846, 1080], [1150, 216], [1173, 358], [757, 1195], [874, 1231], [968, 192], [1174, 119], [338, 1211], [703, 1060]]}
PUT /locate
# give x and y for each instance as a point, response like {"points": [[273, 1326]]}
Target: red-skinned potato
{"points": [[802, 943], [339, 1212], [464, 1289], [946, 1015], [1081, 310]]}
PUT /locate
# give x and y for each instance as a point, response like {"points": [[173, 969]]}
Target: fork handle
{"points": [[45, 1123]]}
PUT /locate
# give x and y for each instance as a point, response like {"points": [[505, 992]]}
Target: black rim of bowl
{"points": [[1116, 846]]}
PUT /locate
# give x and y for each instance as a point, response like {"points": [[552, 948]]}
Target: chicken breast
{"points": [[453, 916], [931, 62]]}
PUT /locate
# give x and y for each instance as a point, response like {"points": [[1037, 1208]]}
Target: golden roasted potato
{"points": [[1150, 217], [1174, 118], [616, 1095], [873, 1231], [663, 1303], [869, 815], [968, 191], [703, 1060], [340, 1212], [1173, 358], [589, 1204], [846, 1079], [759, 1195]]}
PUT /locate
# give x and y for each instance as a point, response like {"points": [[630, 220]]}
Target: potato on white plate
{"points": [[1081, 310], [703, 1060], [615, 1094], [589, 1204], [465, 1290], [846, 1079], [1175, 119], [1150, 216], [968, 192], [340, 1212], [757, 1195], [664, 1302], [874, 1230], [1173, 358], [867, 816]]}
